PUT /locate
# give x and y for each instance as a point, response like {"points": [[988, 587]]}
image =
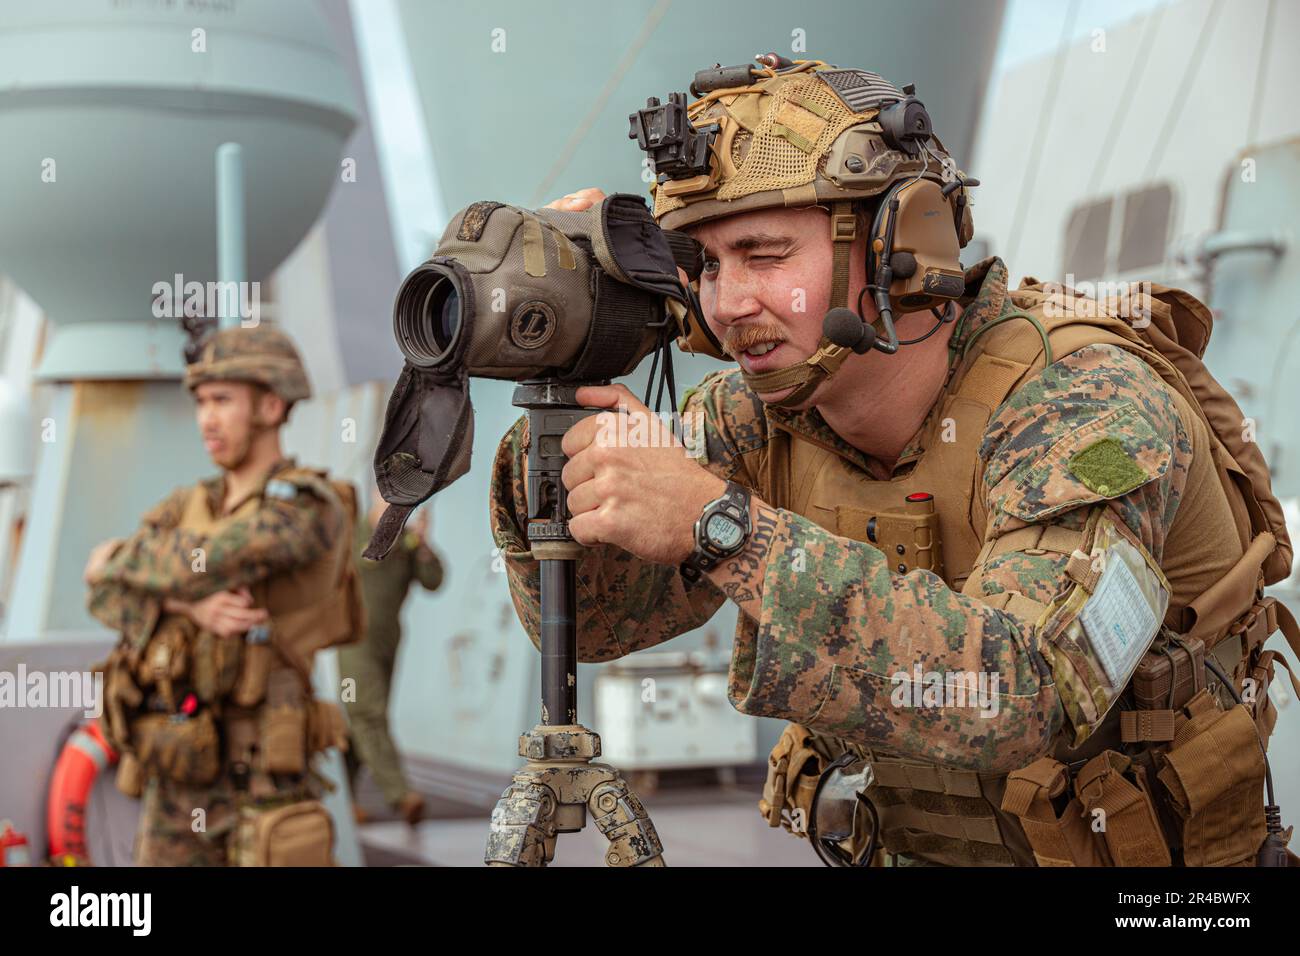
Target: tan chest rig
{"points": [[933, 517], [255, 717]]}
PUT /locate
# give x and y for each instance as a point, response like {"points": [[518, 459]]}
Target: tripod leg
{"points": [[621, 817], [523, 827]]}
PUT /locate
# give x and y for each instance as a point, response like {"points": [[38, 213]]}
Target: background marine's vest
{"points": [[312, 607], [1227, 540], [271, 721], [256, 712]]}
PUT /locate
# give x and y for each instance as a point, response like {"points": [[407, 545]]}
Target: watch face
{"points": [[723, 532]]}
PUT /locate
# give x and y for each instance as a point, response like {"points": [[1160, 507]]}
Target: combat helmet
{"points": [[261, 355], [797, 133]]}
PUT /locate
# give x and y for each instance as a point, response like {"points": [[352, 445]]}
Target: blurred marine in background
{"points": [[999, 554], [369, 663], [222, 598]]}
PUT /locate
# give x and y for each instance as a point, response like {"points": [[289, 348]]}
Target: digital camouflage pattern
{"points": [[829, 637], [170, 833], [162, 560], [262, 355]]}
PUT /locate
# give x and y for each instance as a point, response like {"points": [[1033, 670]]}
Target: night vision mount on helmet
{"points": [[260, 355]]}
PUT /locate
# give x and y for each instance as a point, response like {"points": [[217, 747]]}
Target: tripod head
{"points": [[553, 409]]}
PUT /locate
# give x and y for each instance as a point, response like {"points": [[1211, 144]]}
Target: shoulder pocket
{"points": [[1106, 458]]}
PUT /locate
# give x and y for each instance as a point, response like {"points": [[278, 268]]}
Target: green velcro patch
{"points": [[681, 406], [1106, 468]]}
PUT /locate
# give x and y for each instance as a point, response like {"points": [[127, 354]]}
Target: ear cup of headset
{"points": [[920, 241]]}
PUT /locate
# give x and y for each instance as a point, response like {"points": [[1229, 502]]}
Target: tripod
{"points": [[553, 792]]}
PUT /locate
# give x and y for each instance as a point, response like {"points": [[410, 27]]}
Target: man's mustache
{"points": [[742, 337]]}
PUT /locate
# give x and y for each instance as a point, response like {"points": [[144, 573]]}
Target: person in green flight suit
{"points": [[385, 585]]}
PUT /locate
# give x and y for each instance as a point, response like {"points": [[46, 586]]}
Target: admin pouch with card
{"points": [[1095, 634]]}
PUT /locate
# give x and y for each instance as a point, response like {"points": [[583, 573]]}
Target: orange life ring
{"points": [[84, 755]]}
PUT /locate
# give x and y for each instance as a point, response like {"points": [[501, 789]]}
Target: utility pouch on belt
{"points": [[793, 769], [166, 658], [1254, 672], [216, 666], [179, 748], [1214, 774], [1257, 676], [283, 723], [1118, 787], [326, 726], [299, 834], [1057, 825], [122, 699], [1169, 675], [130, 775], [257, 659]]}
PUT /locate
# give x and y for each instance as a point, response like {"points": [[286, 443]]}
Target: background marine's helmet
{"points": [[261, 355]]}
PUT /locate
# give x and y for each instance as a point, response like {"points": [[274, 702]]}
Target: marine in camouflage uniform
{"points": [[849, 609], [828, 619], [144, 580], [385, 585]]}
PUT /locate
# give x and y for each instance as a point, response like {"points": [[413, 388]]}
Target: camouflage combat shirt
{"points": [[295, 524]]}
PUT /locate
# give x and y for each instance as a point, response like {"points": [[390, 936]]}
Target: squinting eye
{"points": [[710, 266]]}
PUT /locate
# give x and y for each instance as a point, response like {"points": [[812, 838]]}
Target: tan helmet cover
{"points": [[261, 355], [807, 135], [790, 139]]}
